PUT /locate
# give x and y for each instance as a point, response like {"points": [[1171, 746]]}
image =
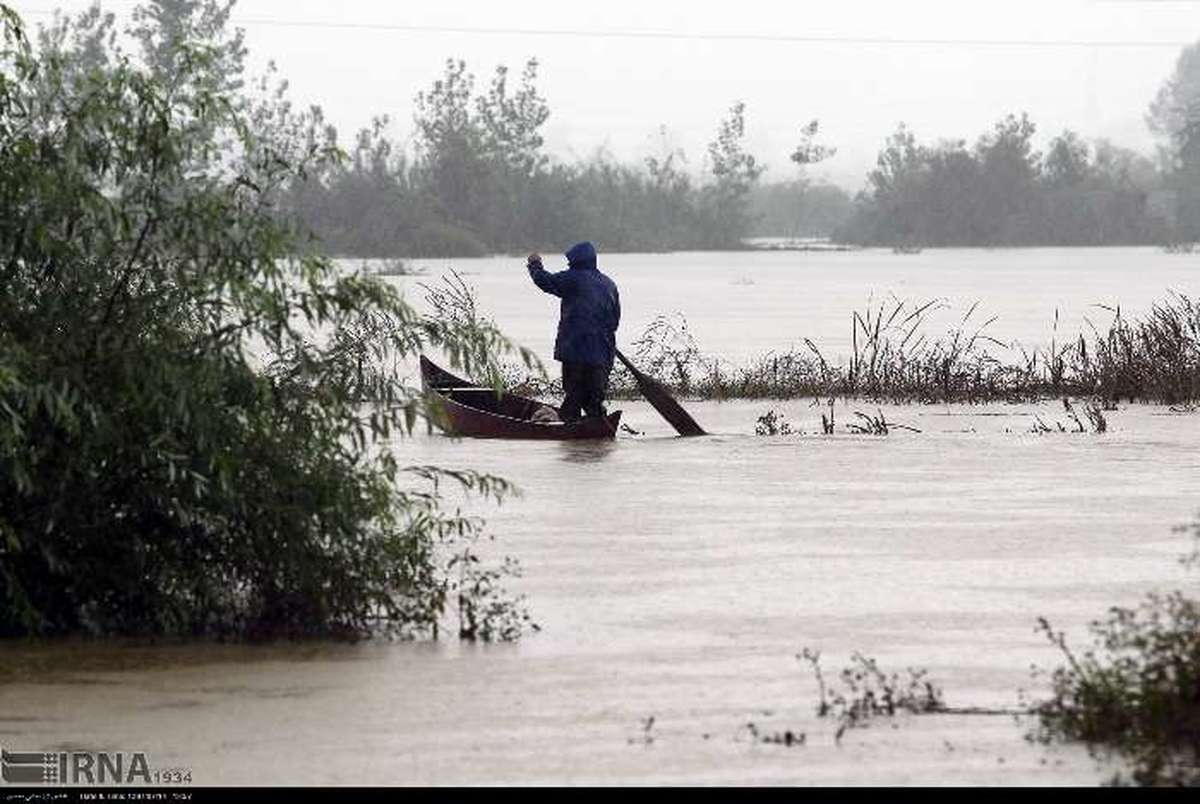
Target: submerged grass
{"points": [[1155, 358], [864, 692], [774, 423], [1093, 415]]}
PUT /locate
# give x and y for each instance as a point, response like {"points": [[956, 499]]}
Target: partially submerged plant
{"points": [[646, 737], [1136, 691], [1096, 422], [1093, 414], [456, 301], [1156, 358], [828, 422], [1040, 426], [786, 737], [867, 692], [666, 349], [876, 425], [771, 424], [486, 611]]}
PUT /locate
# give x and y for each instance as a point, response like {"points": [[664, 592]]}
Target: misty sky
{"points": [[616, 91]]}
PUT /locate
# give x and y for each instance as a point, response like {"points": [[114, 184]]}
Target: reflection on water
{"points": [[586, 451], [678, 578]]}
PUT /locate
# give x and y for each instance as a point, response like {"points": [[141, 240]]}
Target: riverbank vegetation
{"points": [[182, 445], [1153, 358], [1003, 192], [477, 180], [1133, 692]]}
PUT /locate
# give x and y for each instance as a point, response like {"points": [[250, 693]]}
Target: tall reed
{"points": [[1154, 358]]}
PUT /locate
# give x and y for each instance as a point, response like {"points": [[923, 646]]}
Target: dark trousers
{"points": [[584, 386]]}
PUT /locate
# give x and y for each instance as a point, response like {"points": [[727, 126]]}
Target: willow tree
{"points": [[196, 427]]}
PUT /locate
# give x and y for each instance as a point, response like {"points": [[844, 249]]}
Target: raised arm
{"points": [[550, 283]]}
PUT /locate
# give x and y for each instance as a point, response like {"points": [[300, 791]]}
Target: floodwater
{"points": [[677, 579], [743, 304]]}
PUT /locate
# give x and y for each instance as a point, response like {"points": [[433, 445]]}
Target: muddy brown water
{"points": [[676, 580]]}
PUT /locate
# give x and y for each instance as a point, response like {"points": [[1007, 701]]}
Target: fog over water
{"points": [[739, 305], [613, 73]]}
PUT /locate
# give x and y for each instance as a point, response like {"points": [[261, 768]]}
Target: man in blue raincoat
{"points": [[587, 326]]}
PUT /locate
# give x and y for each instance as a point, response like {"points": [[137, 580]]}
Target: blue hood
{"points": [[590, 310], [582, 255]]}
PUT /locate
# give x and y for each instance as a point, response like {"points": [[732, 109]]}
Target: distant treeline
{"points": [[798, 208], [1001, 192], [477, 181]]}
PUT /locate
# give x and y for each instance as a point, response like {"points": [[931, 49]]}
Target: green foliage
{"points": [[510, 124], [724, 204], [666, 349], [478, 157], [479, 183], [800, 208], [485, 611], [1187, 175], [808, 152], [1066, 162], [184, 445], [1135, 691], [1003, 193], [452, 166], [1174, 117], [1169, 114]]}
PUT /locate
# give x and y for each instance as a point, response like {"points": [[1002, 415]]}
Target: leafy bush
{"points": [[182, 445], [1136, 691]]}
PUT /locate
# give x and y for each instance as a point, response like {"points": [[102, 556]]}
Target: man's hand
{"points": [[534, 259]]}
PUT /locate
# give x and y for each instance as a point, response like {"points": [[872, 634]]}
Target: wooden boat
{"points": [[479, 411]]}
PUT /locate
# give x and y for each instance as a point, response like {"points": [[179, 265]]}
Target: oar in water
{"points": [[658, 396]]}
